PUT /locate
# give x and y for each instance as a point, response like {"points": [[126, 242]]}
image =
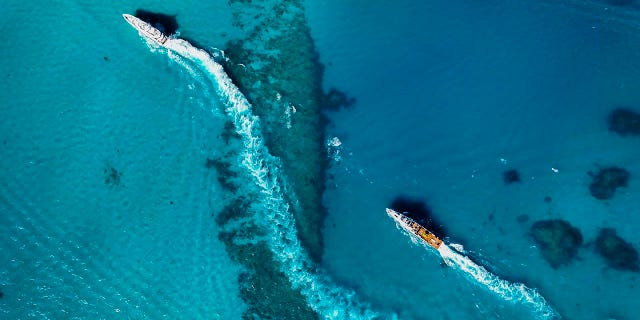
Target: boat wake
{"points": [[322, 295], [514, 292]]}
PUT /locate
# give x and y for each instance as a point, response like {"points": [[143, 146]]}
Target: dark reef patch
{"points": [[112, 177], [618, 253], [624, 122], [335, 99], [226, 175], [237, 209], [229, 132], [1, 294], [607, 180], [511, 176], [167, 24], [548, 199], [293, 78], [558, 241], [420, 212]]}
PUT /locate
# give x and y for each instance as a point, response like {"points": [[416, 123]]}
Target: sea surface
{"points": [[116, 159]]}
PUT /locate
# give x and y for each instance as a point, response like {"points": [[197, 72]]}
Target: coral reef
{"points": [[558, 241], [606, 181], [618, 253], [624, 122], [511, 176], [420, 212], [277, 68], [266, 290], [335, 99]]}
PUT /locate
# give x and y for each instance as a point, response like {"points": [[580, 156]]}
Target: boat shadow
{"points": [[420, 212]]}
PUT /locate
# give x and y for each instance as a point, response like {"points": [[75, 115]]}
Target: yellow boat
{"points": [[415, 228]]}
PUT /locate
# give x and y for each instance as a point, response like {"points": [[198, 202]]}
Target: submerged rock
{"points": [[607, 180], [511, 176], [112, 176], [624, 122], [278, 69], [558, 241], [619, 254]]}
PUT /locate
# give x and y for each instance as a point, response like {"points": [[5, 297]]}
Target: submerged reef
{"points": [[225, 174], [265, 289], [420, 212], [511, 176], [335, 100], [618, 253], [624, 122], [167, 24], [277, 68], [275, 64], [607, 180], [558, 241]]}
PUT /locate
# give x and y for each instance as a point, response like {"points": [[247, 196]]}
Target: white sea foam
{"points": [[325, 297], [515, 292], [334, 149]]}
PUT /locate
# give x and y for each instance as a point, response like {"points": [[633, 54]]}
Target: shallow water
{"points": [[108, 207]]}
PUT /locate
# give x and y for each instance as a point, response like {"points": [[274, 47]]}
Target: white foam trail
{"points": [[516, 292], [326, 298]]}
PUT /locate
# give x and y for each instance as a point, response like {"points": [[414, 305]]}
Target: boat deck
{"points": [[415, 228]]}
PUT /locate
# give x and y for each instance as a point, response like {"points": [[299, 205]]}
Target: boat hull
{"points": [[415, 229], [146, 30]]}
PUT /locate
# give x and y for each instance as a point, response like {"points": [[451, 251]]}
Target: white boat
{"points": [[147, 30]]}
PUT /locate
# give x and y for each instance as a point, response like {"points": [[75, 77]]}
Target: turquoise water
{"points": [[109, 208]]}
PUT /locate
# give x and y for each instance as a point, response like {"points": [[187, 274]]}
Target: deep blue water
{"points": [[444, 93], [106, 204]]}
